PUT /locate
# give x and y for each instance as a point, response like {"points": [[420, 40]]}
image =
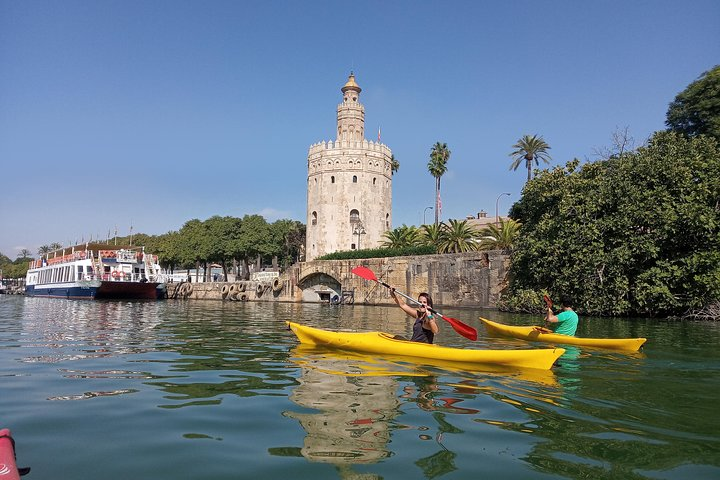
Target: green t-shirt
{"points": [[567, 323]]}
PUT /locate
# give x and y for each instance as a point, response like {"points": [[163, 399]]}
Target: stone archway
{"points": [[319, 287]]}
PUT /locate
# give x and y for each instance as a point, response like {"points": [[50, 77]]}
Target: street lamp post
{"points": [[359, 229], [497, 215], [424, 212]]}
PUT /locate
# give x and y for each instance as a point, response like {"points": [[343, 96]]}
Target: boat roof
{"points": [[94, 246]]}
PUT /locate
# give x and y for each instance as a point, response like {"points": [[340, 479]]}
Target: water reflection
{"points": [[76, 330], [355, 403], [350, 403]]}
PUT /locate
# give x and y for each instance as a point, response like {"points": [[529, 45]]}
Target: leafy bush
{"points": [[379, 253], [523, 301]]}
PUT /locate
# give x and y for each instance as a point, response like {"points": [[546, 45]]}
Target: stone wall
{"points": [[469, 279]]}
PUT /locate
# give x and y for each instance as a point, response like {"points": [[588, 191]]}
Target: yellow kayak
{"points": [[384, 343], [532, 334]]}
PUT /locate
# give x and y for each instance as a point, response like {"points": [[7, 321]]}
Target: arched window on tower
{"points": [[387, 221], [354, 216], [354, 178], [314, 218], [374, 180], [332, 179]]}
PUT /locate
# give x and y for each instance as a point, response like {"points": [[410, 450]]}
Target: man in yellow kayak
{"points": [[425, 327], [565, 322]]}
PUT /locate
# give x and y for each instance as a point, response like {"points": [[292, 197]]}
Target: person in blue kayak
{"points": [[565, 322], [425, 327]]}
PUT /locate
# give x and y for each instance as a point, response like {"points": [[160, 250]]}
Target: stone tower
{"points": [[349, 192]]}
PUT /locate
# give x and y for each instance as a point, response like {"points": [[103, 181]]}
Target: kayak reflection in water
{"points": [[425, 327], [565, 322]]}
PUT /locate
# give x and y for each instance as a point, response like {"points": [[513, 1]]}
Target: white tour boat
{"points": [[96, 270]]}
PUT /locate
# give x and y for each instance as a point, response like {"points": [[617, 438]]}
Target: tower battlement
{"points": [[342, 145]]}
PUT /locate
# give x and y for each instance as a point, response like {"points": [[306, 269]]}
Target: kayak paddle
{"points": [[548, 302], [465, 330], [549, 305]]}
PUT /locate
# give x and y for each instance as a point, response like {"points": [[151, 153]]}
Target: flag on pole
{"points": [[378, 133]]}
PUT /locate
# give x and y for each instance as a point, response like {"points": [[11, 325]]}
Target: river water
{"points": [[213, 390]]}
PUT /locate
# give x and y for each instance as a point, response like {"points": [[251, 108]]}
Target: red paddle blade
{"points": [[365, 273], [548, 302], [465, 330]]}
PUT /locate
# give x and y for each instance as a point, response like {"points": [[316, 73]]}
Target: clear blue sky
{"points": [[150, 113]]}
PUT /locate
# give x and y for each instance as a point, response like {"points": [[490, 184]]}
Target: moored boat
{"points": [[535, 335], [96, 271], [385, 343]]}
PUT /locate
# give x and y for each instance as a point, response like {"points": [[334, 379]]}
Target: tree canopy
{"points": [[635, 234], [696, 110]]}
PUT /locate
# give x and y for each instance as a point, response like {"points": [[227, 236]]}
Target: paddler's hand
{"points": [[394, 297]]}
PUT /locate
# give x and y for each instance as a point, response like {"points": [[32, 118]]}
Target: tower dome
{"points": [[351, 85]]}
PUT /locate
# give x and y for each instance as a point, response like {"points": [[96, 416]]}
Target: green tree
{"points": [[501, 236], [394, 165], [696, 110], [431, 235], [223, 233], [24, 254], [16, 269], [168, 249], [529, 149], [255, 240], [635, 234], [288, 240], [437, 166], [401, 237], [458, 236], [43, 250], [194, 245]]}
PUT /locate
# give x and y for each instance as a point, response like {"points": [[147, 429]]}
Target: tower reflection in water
{"points": [[354, 400]]}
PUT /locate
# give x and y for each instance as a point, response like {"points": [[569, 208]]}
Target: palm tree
{"points": [[55, 246], [432, 234], [458, 237], [43, 250], [499, 237], [401, 237], [437, 166], [530, 149], [394, 165]]}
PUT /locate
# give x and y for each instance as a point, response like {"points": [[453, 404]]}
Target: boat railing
{"points": [[116, 277], [70, 257]]}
